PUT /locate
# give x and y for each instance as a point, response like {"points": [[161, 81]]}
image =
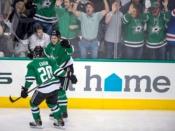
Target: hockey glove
{"points": [[24, 93], [65, 43], [61, 81], [73, 79], [30, 55]]}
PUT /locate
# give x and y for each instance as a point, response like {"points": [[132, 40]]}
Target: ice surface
{"points": [[92, 120]]}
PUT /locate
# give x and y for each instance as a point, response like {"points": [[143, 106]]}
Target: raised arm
{"points": [[106, 10], [165, 5], [75, 11], [58, 3], [115, 8], [147, 5]]}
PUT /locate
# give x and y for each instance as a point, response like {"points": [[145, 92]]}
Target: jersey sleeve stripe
{"points": [[50, 83], [30, 77], [46, 54], [58, 72]]}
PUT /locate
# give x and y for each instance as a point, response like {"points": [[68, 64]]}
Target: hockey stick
{"points": [[66, 81], [14, 100]]}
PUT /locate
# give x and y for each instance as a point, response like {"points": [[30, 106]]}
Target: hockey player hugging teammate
{"points": [[45, 72], [61, 51]]}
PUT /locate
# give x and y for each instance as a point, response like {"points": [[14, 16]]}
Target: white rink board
{"points": [[159, 75]]}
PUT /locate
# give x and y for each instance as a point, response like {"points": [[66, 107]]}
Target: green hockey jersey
{"points": [[156, 29], [60, 54], [45, 11], [43, 71], [68, 24], [133, 34]]}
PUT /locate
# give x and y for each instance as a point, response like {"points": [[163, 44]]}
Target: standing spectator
{"points": [[156, 31], [21, 20], [39, 38], [113, 31], [6, 44], [89, 28], [171, 36], [45, 14], [137, 3], [68, 24], [133, 35]]}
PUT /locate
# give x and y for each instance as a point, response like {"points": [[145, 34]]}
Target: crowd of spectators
{"points": [[121, 29]]}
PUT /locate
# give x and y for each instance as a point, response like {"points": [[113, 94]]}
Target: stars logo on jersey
{"points": [[156, 29], [52, 57], [138, 28], [46, 3]]}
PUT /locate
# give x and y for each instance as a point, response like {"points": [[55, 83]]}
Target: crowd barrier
{"points": [[102, 84]]}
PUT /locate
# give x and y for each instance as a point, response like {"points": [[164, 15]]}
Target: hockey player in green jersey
{"points": [[45, 72], [61, 51]]}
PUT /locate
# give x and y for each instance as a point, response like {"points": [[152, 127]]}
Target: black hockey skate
{"points": [[64, 115], [51, 117], [59, 124], [36, 124]]}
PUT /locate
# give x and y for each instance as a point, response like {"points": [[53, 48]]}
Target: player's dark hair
{"points": [[38, 52]]}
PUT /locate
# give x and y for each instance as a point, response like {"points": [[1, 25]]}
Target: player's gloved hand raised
{"points": [[73, 79], [24, 93], [65, 43]]}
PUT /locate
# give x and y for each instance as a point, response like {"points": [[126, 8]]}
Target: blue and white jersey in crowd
{"points": [[171, 29]]}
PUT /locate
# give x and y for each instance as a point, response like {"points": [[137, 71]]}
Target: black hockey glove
{"points": [[30, 55], [24, 93], [65, 43], [73, 79], [61, 80]]}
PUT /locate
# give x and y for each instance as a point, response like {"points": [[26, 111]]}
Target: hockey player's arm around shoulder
{"points": [[57, 71]]}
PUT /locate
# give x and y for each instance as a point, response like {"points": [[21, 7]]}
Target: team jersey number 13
{"points": [[45, 73]]}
